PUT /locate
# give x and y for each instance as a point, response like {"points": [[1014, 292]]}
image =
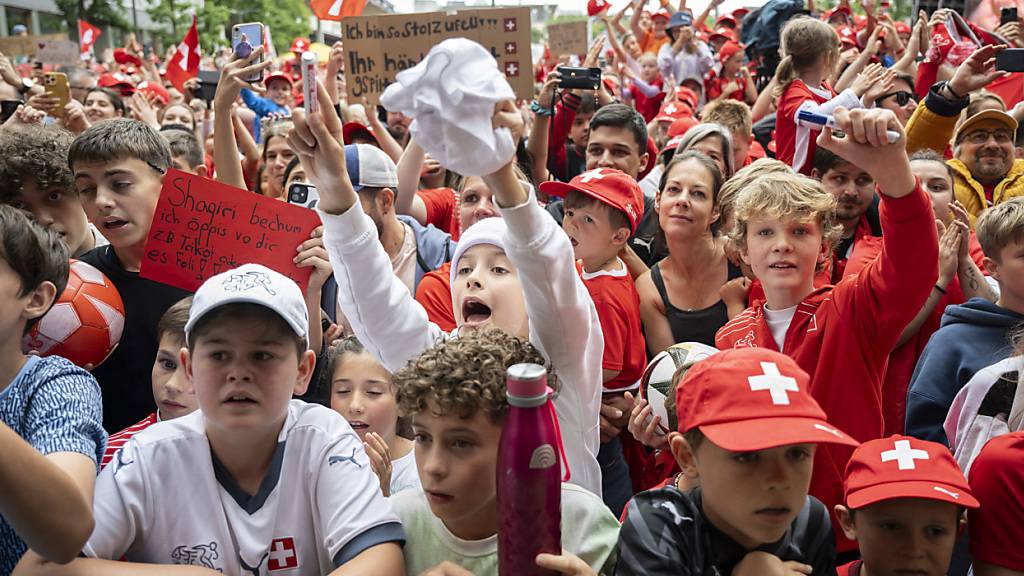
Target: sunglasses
{"points": [[902, 97]]}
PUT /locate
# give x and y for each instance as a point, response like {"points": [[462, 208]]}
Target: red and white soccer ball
{"points": [[85, 323]]}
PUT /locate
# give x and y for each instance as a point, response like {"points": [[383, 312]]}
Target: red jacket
{"points": [[842, 335]]}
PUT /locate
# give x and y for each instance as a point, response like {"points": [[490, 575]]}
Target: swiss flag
{"points": [[337, 9], [87, 35], [282, 555], [185, 62]]}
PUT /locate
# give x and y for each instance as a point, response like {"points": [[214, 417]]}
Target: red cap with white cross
{"points": [[747, 399], [608, 185], [904, 467]]}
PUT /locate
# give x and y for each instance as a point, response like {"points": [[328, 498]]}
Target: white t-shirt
{"points": [[778, 322], [589, 530], [165, 499], [404, 262], [403, 473]]}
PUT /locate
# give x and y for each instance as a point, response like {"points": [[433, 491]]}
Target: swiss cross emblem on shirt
{"points": [[282, 555]]}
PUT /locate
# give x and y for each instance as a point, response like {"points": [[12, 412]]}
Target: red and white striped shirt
{"points": [[115, 441]]}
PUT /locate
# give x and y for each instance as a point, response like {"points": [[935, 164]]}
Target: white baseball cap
{"points": [[369, 166], [251, 284]]}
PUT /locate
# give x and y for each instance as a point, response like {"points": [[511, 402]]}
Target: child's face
{"points": [[731, 67], [632, 47], [487, 293], [648, 68], [361, 392], [752, 497], [244, 374], [279, 154], [686, 206], [658, 26], [784, 253], [120, 198], [591, 233], [904, 535], [172, 392], [178, 114], [580, 131], [853, 188], [56, 208], [1008, 271], [740, 149], [456, 460], [476, 202], [615, 147], [935, 179], [280, 92]]}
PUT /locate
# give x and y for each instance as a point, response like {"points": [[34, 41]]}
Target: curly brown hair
{"points": [[37, 154], [465, 375]]}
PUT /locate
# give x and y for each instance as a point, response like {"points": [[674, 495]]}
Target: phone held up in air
{"points": [[303, 194], [244, 39], [580, 78], [56, 84], [1007, 15], [1010, 60]]}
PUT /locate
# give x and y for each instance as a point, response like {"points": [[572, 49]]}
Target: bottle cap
{"points": [[527, 381]]}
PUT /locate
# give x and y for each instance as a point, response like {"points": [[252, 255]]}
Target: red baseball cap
{"points": [[680, 126], [727, 20], [904, 467], [848, 37], [278, 76], [117, 81], [613, 187], [902, 27], [352, 130], [739, 13], [595, 7], [672, 111], [728, 50], [661, 14], [122, 56], [747, 399], [300, 45], [687, 96], [723, 32], [154, 91], [672, 144], [844, 10]]}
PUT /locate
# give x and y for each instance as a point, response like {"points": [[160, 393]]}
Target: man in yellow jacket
{"points": [[986, 172]]}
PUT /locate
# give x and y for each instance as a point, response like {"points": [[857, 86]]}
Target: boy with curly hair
{"points": [[35, 177], [455, 395]]}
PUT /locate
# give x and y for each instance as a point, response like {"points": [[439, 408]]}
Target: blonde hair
{"points": [[785, 195], [804, 39], [1000, 225], [743, 178], [732, 114]]}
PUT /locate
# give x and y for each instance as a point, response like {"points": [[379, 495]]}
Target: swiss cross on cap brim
{"points": [[765, 433]]}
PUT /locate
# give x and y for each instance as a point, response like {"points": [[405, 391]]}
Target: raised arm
{"points": [[537, 145], [634, 19], [409, 166], [225, 148], [388, 144]]}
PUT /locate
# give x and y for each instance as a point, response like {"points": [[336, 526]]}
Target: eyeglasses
{"points": [[980, 137], [902, 97]]}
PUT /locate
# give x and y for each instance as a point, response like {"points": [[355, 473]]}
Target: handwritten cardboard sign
{"points": [[567, 38], [202, 227], [60, 52], [379, 47]]}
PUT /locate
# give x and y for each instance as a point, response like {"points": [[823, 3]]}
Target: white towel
{"points": [[450, 96]]}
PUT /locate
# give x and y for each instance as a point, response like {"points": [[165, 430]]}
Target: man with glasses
{"points": [[986, 171]]}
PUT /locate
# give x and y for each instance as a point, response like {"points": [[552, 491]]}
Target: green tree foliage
{"points": [[287, 19], [176, 17], [99, 12]]}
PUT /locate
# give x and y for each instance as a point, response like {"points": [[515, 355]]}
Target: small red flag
{"points": [[185, 62], [337, 9], [87, 35]]}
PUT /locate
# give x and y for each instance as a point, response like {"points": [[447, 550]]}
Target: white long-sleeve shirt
{"points": [[564, 325]]}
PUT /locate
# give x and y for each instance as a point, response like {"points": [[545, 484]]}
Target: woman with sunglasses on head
{"points": [[901, 99]]}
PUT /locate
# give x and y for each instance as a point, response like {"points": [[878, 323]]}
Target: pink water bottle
{"points": [[529, 475]]}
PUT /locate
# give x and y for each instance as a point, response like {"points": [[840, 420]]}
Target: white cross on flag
{"points": [[185, 62], [282, 555], [87, 36], [774, 382], [904, 455], [592, 175]]}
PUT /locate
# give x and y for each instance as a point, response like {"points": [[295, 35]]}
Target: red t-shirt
{"points": [[648, 106], [435, 295], [714, 84], [116, 441], [618, 308], [997, 481], [851, 569], [442, 209], [794, 145]]}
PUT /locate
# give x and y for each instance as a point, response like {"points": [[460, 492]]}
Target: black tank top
{"points": [[696, 325]]}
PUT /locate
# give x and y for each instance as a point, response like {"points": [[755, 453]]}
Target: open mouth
{"points": [[474, 311], [114, 224], [358, 426], [240, 400], [782, 266]]}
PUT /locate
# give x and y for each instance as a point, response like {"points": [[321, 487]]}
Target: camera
{"points": [[580, 78]]}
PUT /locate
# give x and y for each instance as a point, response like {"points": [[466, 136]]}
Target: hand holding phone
{"points": [[244, 39], [56, 84], [309, 96], [1007, 15]]}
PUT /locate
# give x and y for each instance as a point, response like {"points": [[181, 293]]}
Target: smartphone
{"points": [[56, 84], [303, 194], [582, 78], [309, 97], [1010, 60], [1007, 15], [244, 39], [8, 108], [208, 80]]}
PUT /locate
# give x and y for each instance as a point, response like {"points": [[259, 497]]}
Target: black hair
{"points": [[622, 116], [34, 253], [825, 160], [292, 165], [617, 218], [115, 98]]}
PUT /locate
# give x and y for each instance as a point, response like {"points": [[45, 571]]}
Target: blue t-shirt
{"points": [[55, 406]]}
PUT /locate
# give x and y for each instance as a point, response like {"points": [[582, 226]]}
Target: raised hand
{"points": [[977, 71], [317, 139]]}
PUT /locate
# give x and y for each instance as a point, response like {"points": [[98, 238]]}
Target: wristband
{"points": [[952, 93], [940, 289], [540, 110]]}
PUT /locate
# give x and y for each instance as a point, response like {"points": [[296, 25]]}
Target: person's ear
{"points": [[684, 455], [815, 175], [845, 518], [621, 236], [185, 358], [386, 200], [39, 300], [643, 160], [992, 268], [307, 362]]}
